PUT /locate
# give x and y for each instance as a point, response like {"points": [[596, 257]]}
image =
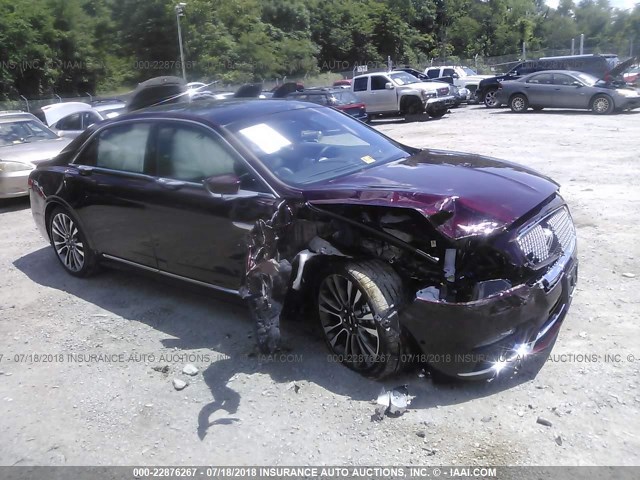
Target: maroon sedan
{"points": [[400, 254]]}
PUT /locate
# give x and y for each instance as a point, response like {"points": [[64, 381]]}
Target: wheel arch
{"points": [[601, 94]]}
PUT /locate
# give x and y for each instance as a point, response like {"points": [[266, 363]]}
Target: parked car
{"points": [[74, 124], [55, 111], [24, 143], [462, 77], [602, 66], [339, 98], [400, 93], [566, 89], [631, 76], [394, 250], [460, 94], [109, 108]]}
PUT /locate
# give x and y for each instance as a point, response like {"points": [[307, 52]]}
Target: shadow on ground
{"points": [[13, 204], [201, 319]]}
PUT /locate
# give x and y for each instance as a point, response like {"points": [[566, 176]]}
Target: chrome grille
{"points": [[549, 238]]}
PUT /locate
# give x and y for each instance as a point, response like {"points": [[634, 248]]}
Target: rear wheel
{"points": [[70, 244], [355, 304], [602, 105], [518, 103], [490, 100]]}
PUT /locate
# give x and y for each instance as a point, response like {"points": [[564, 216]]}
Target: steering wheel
{"points": [[322, 154]]}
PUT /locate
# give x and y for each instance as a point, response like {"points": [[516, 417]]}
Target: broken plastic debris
{"points": [[392, 402]]}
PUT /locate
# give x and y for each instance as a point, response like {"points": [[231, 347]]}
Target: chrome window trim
{"points": [[169, 119]]}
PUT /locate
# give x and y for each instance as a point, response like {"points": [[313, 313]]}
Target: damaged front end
{"points": [[472, 305]]}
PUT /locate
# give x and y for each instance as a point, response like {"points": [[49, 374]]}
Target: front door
{"points": [[382, 98], [198, 234], [567, 94]]}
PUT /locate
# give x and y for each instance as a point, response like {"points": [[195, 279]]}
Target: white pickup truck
{"points": [[396, 93]]}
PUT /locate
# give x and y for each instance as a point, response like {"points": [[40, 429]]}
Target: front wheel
{"points": [[355, 304], [602, 105], [519, 103], [70, 244]]}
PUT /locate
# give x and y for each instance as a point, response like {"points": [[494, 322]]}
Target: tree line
{"points": [[69, 47]]}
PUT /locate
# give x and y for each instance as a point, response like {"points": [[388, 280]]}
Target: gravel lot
{"points": [[302, 409]]}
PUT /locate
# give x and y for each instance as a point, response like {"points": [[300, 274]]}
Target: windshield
{"points": [[309, 145], [588, 80], [344, 98], [403, 78], [469, 71], [24, 131]]}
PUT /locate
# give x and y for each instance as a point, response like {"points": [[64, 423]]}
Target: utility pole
{"points": [[573, 46], [582, 44], [179, 8]]}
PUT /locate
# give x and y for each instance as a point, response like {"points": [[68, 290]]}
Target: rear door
{"points": [[199, 235], [538, 89], [112, 189]]}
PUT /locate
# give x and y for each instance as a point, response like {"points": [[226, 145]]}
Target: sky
{"points": [[623, 4]]}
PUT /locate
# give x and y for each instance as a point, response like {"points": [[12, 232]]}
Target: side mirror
{"points": [[388, 86], [455, 75], [222, 184], [577, 84]]}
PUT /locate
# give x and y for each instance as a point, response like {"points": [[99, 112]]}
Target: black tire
{"points": [[602, 104], [412, 109], [537, 109], [70, 244], [438, 113], [518, 103], [489, 98], [355, 302]]}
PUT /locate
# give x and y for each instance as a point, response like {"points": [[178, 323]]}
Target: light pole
{"points": [[179, 8]]}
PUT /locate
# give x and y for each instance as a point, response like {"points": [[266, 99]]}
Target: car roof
{"points": [[221, 112], [12, 115]]}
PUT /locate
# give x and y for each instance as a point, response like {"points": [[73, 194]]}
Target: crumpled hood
{"points": [[461, 194], [34, 152], [428, 86]]}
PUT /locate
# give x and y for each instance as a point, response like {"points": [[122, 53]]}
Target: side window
{"points": [[433, 73], [448, 72], [561, 79], [121, 147], [360, 84], [378, 82], [70, 122], [543, 79], [191, 154], [89, 118]]}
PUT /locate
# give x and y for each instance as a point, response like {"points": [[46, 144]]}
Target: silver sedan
{"points": [[566, 89], [24, 142]]}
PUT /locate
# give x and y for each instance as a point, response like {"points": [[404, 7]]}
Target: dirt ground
{"points": [[60, 408]]}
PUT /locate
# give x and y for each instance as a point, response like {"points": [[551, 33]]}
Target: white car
{"points": [[463, 77]]}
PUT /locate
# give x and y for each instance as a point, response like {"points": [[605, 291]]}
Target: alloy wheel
{"points": [[601, 105], [348, 320], [67, 242], [490, 98]]}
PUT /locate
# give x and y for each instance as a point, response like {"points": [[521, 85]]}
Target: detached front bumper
{"points": [[478, 339], [439, 103]]}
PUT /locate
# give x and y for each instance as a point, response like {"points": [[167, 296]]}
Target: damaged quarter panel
{"points": [[468, 259]]}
